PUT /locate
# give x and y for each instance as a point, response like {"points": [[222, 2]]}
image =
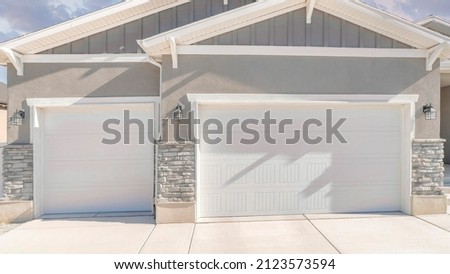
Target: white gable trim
{"points": [[353, 11], [382, 22]]}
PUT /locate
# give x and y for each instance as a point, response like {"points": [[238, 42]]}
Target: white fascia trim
{"points": [[87, 19], [299, 51], [86, 58], [299, 98], [310, 4]]}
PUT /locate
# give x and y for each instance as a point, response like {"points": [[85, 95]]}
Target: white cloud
{"points": [[397, 7], [413, 9]]}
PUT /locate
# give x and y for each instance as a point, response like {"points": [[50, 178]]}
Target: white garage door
{"points": [[83, 175], [361, 175]]}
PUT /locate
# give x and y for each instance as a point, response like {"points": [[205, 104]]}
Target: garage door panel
{"points": [[367, 199], [271, 179], [300, 172], [91, 147], [88, 119], [365, 118], [83, 175], [98, 199], [294, 201], [98, 172], [377, 142]]}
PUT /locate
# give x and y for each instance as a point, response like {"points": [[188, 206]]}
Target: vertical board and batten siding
{"points": [[122, 39], [291, 29]]}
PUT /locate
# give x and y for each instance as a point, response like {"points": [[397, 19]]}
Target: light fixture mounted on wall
{"points": [[17, 118], [178, 113], [430, 112]]}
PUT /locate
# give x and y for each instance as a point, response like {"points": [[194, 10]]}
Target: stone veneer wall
{"points": [[176, 172], [427, 166], [18, 172]]}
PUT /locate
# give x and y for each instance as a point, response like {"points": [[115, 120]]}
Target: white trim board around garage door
{"points": [[75, 172], [371, 173]]}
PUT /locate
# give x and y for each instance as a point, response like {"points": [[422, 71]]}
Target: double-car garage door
{"points": [[362, 174], [82, 174]]}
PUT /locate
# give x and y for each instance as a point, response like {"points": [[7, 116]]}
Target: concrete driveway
{"points": [[313, 233]]}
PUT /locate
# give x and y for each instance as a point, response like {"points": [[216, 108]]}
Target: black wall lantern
{"points": [[178, 113], [17, 118], [430, 112]]}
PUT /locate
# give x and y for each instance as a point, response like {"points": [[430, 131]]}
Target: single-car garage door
{"points": [[360, 173], [81, 174]]}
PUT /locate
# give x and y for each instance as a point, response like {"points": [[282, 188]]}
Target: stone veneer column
{"points": [[18, 172], [428, 177], [175, 191]]}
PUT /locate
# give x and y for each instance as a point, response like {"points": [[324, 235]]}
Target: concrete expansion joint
{"points": [[323, 235]]}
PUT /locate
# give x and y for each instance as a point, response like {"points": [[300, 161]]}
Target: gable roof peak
{"points": [[354, 11]]}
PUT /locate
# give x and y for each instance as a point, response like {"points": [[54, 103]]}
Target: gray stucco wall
{"points": [[303, 75], [445, 122], [76, 80], [3, 96]]}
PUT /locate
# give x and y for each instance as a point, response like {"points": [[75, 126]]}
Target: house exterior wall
{"points": [[3, 125], [3, 113], [76, 80], [445, 121], [122, 39], [1, 170], [302, 75], [291, 30]]}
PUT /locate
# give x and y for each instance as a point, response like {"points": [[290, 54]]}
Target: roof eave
{"points": [[86, 21]]}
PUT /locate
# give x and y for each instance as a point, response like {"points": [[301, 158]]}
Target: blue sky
{"points": [[18, 17]]}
